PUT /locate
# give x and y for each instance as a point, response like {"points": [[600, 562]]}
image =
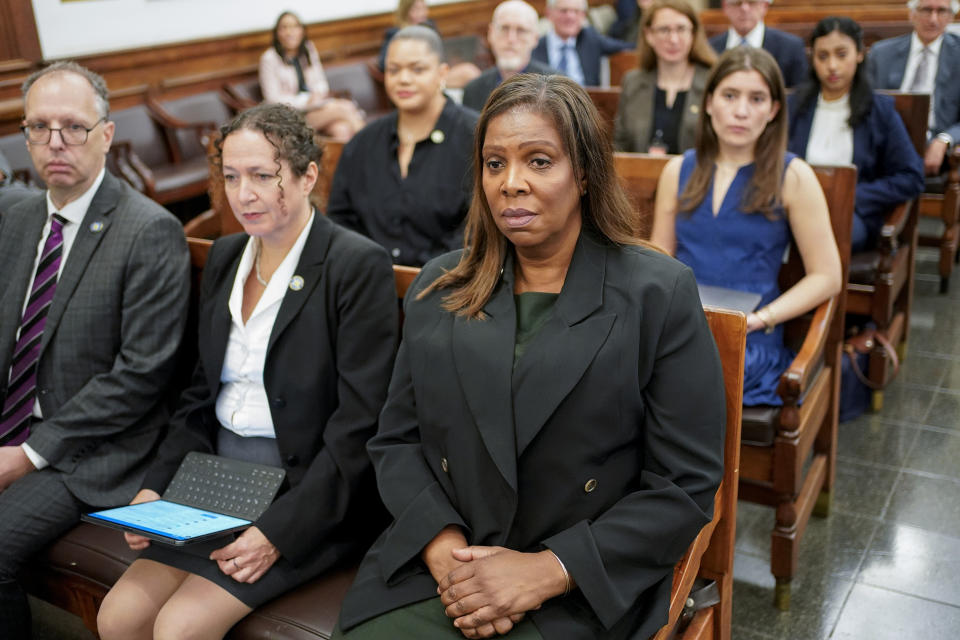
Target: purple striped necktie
{"points": [[22, 386]]}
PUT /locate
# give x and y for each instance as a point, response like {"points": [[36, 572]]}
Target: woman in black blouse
{"points": [[404, 180], [660, 101]]}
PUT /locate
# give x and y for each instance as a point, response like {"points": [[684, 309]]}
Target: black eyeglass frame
{"points": [[27, 128]]}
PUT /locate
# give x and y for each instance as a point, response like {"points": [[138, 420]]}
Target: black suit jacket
{"points": [[477, 91], [604, 444], [787, 49], [326, 372], [591, 46]]}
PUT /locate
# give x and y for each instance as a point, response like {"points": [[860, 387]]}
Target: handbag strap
{"points": [[891, 355]]}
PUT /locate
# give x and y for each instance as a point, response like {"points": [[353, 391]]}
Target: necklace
{"points": [[256, 265]]}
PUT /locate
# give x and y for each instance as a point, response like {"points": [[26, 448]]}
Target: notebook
{"points": [[209, 497], [724, 298]]}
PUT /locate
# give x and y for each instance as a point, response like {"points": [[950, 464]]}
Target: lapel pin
{"points": [[437, 137], [296, 283], [694, 109], [96, 227]]}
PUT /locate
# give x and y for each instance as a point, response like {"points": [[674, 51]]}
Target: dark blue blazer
{"points": [[887, 63], [787, 49], [889, 170], [591, 46]]}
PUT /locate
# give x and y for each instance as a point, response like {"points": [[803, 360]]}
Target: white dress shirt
{"points": [[831, 137], [555, 46], [73, 213], [754, 37], [910, 71], [242, 404]]}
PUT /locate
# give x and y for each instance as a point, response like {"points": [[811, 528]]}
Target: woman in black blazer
{"points": [[297, 331], [552, 437]]}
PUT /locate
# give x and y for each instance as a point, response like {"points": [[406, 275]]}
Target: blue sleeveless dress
{"points": [[744, 252]]}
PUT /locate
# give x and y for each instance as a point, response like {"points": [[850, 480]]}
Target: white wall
{"points": [[85, 27]]}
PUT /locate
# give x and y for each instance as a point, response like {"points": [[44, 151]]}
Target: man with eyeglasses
{"points": [[572, 47], [512, 36], [925, 61], [747, 29], [93, 302]]}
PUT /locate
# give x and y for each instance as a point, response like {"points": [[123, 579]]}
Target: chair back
{"points": [[620, 63], [328, 165], [14, 149], [914, 110], [639, 174], [607, 101], [243, 94], [712, 552], [205, 108]]}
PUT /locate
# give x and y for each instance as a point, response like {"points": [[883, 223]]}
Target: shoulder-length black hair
{"points": [[301, 49], [861, 93]]}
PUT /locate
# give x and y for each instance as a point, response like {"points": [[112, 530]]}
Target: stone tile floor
{"points": [[886, 564]]}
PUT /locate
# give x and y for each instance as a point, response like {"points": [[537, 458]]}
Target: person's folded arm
{"points": [[153, 313], [365, 344], [635, 544]]}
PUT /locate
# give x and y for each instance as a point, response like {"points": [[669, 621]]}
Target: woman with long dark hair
{"points": [[291, 73], [836, 118], [729, 207], [553, 435]]}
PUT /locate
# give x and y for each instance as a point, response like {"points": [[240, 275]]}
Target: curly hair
{"points": [[285, 128]]}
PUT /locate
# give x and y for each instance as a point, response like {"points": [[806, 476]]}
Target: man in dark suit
{"points": [[572, 47], [512, 37], [92, 308], [925, 61], [747, 28]]}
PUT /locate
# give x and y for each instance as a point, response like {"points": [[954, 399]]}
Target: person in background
{"points": [[632, 31], [728, 207], [404, 180], [747, 29], [297, 331], [627, 16], [553, 435], [93, 303], [512, 37], [571, 46], [291, 73], [925, 61], [659, 105], [416, 12], [11, 191], [836, 118]]}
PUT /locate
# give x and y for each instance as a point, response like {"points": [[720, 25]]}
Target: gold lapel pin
{"points": [[694, 109], [296, 283], [96, 227], [436, 136]]}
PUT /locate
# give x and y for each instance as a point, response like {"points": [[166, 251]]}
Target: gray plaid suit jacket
{"points": [[111, 340]]}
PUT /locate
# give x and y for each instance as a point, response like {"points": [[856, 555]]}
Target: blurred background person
{"points": [[416, 12], [297, 331], [925, 61], [573, 47], [553, 435], [631, 32], [404, 180], [291, 73], [660, 102], [747, 29], [728, 208], [512, 36], [836, 118]]}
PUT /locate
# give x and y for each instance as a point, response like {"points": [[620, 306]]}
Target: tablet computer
{"points": [[725, 298], [169, 522]]}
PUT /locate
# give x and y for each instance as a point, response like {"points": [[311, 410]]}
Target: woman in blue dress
{"points": [[729, 207]]}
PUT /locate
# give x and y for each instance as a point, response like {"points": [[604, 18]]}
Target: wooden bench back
{"points": [[914, 109], [639, 174]]}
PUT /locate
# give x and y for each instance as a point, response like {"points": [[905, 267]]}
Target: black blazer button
{"points": [[279, 402], [293, 460], [444, 465], [590, 485]]}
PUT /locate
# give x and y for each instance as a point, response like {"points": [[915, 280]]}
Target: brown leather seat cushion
{"points": [[100, 556], [759, 425], [863, 267]]}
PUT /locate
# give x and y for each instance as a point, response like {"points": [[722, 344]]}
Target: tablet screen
{"points": [[170, 519]]}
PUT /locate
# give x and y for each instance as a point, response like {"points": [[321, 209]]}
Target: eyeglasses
{"points": [[73, 134], [744, 3], [665, 32], [940, 12]]}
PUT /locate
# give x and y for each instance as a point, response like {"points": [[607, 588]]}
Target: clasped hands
{"points": [[492, 588], [245, 559]]}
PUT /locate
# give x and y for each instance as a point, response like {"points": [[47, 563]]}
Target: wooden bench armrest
{"points": [[133, 169], [892, 229], [235, 102], [202, 129], [795, 380]]}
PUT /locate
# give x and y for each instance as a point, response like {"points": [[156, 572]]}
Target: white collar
{"points": [[754, 37], [556, 41], [916, 45], [75, 210]]}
